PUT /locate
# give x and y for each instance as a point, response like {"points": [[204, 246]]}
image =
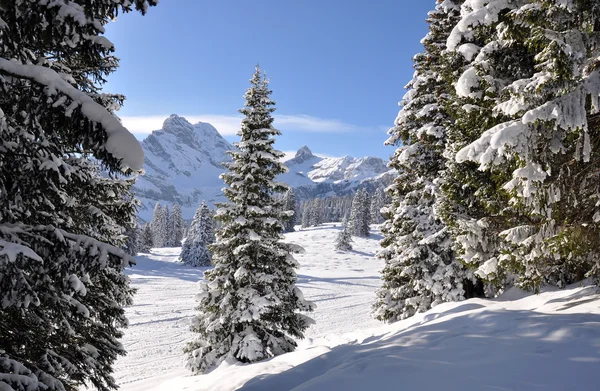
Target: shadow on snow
{"points": [[485, 350], [152, 269]]}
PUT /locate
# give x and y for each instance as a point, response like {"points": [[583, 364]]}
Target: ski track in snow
{"points": [[342, 284]]}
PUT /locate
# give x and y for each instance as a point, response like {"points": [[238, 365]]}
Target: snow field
{"points": [[519, 341], [342, 284]]}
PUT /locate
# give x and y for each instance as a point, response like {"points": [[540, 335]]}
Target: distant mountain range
{"points": [[183, 164]]}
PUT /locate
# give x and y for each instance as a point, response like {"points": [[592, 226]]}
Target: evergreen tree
{"points": [[289, 204], [159, 226], [472, 203], [168, 224], [249, 301], [131, 241], [421, 270], [146, 239], [315, 217], [306, 214], [344, 238], [359, 214], [176, 226], [62, 218], [365, 212], [378, 201], [195, 250], [544, 137]]}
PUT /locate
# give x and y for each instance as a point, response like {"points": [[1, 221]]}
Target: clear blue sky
{"points": [[337, 68]]}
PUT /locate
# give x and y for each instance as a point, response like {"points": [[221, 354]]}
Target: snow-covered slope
{"points": [[520, 341], [183, 164]]}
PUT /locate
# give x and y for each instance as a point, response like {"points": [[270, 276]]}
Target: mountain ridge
{"points": [[183, 162]]}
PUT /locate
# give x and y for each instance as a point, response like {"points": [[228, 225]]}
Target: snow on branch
{"points": [[475, 13], [94, 246], [121, 143], [11, 250]]}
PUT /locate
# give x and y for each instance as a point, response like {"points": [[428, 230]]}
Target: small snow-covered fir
{"points": [[344, 238], [201, 234]]}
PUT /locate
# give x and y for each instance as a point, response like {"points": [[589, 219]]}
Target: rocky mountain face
{"points": [[183, 163], [314, 176]]}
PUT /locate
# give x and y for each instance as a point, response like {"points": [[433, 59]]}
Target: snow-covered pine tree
{"points": [[176, 226], [62, 220], [545, 136], [195, 250], [365, 212], [420, 270], [249, 303], [146, 239], [472, 203], [359, 223], [306, 214], [289, 204], [316, 212], [159, 226], [354, 219], [344, 238], [131, 243], [377, 202], [168, 223]]}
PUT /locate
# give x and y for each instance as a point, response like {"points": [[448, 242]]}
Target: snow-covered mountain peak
{"points": [[183, 162], [303, 155], [174, 122], [304, 152]]}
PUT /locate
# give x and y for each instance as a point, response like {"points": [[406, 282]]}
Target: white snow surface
{"points": [[520, 341]]}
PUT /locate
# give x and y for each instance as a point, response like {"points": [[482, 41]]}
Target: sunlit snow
{"points": [[549, 341]]}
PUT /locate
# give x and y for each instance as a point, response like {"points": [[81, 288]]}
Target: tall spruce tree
{"points": [[365, 212], [306, 214], [160, 226], [167, 225], [146, 239], [176, 227], [201, 234], [360, 214], [132, 240], [249, 302], [421, 270], [62, 218], [377, 202], [544, 136], [315, 217], [289, 204]]}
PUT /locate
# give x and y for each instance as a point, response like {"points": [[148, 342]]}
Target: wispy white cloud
{"points": [[289, 155], [144, 125], [308, 123], [229, 125]]}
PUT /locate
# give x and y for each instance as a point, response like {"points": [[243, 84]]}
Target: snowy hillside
{"points": [[183, 164], [549, 341]]}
